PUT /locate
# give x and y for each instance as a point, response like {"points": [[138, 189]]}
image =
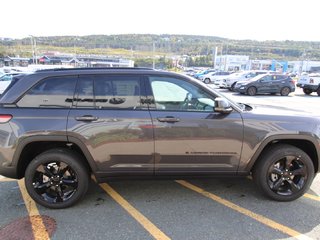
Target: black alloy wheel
{"points": [[57, 178], [287, 175], [251, 91], [285, 91], [284, 173]]}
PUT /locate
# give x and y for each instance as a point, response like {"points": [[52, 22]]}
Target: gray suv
{"points": [[266, 83], [58, 127]]}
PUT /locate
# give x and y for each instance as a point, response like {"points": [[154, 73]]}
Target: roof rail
{"points": [[94, 68]]}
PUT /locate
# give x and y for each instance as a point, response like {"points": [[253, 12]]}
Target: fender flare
{"points": [[56, 138], [289, 137]]}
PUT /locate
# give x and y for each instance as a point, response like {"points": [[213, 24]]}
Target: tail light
{"points": [[4, 118], [311, 80]]}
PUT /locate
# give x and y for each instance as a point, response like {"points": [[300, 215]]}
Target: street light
{"points": [[33, 46]]}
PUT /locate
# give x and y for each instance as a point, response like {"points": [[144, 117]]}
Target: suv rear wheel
{"points": [[57, 178], [285, 91], [284, 173]]}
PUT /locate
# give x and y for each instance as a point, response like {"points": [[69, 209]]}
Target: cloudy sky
{"points": [[236, 19]]}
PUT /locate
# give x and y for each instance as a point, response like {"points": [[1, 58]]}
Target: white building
{"points": [[231, 62]]}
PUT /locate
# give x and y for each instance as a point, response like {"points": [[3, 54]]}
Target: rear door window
{"points": [[108, 92]]}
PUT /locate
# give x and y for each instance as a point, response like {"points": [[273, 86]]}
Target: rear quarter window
{"points": [[56, 92]]}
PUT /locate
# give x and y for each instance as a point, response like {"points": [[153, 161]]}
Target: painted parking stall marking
{"points": [[4, 179], [257, 217], [146, 224], [311, 196], [38, 227]]}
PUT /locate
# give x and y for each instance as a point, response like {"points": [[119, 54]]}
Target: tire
{"points": [[232, 87], [207, 80], [307, 91], [251, 91], [284, 173], [318, 91], [57, 178], [285, 91]]}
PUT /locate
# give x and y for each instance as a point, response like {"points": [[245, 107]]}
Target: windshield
{"points": [[258, 77]]}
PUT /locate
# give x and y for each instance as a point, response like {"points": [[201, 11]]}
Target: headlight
{"points": [[241, 88]]}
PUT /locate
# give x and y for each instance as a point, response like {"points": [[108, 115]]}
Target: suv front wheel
{"points": [[284, 173], [57, 178]]}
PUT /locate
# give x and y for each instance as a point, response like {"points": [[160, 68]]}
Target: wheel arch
{"points": [[307, 144], [30, 147]]}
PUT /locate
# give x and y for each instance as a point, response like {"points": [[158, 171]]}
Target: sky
{"points": [[235, 19]]}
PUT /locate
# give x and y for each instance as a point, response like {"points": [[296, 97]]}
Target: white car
{"points": [[213, 76], [6, 78], [230, 81]]}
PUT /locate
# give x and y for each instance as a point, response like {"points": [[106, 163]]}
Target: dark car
{"points": [[59, 126], [266, 83]]}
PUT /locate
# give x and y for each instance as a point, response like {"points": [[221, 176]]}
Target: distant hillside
{"points": [[134, 44]]}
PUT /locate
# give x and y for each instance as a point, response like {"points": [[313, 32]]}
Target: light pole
{"points": [[153, 51], [33, 46]]}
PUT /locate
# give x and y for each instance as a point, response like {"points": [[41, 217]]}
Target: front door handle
{"points": [[168, 119], [87, 118]]}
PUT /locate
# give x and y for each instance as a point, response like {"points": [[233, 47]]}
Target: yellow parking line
{"points": [[38, 228], [7, 179], [313, 197], [266, 221], [149, 226], [306, 195]]}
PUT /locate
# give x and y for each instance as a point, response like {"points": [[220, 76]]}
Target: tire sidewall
{"points": [[70, 159]]}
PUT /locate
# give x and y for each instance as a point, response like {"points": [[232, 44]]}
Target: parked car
{"points": [[5, 80], [213, 76], [266, 83], [230, 81], [203, 72], [60, 126], [309, 83]]}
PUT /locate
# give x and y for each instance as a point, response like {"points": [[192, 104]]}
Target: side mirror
{"points": [[221, 105]]}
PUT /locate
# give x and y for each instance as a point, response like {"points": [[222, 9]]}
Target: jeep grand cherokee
{"points": [[58, 127]]}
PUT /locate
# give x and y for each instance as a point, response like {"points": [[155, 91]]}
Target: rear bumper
{"points": [[9, 172]]}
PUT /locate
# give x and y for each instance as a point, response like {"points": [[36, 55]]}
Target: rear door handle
{"points": [[168, 119], [87, 118]]}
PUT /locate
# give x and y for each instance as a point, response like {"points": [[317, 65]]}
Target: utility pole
{"points": [[34, 47], [153, 50], [214, 55]]}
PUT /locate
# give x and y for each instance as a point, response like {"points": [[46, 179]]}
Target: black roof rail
{"points": [[93, 68]]}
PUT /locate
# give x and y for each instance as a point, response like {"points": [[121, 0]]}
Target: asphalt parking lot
{"points": [[219, 208]]}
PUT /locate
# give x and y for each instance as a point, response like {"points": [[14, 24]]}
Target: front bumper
{"points": [[240, 90], [308, 86]]}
